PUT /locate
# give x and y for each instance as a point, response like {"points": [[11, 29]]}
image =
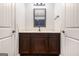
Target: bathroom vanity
{"points": [[37, 34], [39, 43]]}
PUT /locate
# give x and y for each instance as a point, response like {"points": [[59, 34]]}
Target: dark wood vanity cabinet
{"points": [[39, 43]]}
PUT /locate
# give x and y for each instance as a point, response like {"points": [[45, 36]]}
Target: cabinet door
{"points": [[54, 44], [24, 44], [39, 43]]}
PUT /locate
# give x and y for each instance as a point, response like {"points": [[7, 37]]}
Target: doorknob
{"points": [[63, 31], [13, 31]]}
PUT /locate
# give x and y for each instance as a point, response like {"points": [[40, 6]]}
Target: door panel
{"points": [[72, 32], [71, 47], [6, 46], [5, 32], [5, 14], [71, 15]]}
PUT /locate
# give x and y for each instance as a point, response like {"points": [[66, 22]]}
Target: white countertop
{"points": [[39, 32]]}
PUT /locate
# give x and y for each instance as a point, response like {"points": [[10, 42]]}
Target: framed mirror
{"points": [[39, 17]]}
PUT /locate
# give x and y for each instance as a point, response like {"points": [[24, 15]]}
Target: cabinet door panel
{"points": [[54, 45], [39, 45], [24, 43]]}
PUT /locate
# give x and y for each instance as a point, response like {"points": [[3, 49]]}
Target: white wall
{"points": [[59, 11], [20, 16], [24, 16], [59, 23]]}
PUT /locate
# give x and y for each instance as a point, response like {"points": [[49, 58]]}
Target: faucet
{"points": [[39, 28]]}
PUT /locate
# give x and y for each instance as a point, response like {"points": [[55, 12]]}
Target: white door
{"points": [[70, 34], [7, 28]]}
